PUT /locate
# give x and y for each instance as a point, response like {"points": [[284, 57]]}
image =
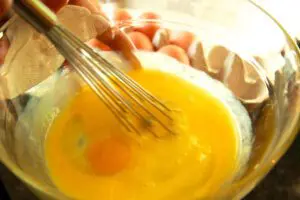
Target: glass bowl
{"points": [[268, 87]]}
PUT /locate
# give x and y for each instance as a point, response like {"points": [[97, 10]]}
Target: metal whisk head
{"points": [[132, 105], [122, 95]]}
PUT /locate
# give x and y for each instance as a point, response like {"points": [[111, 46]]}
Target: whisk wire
{"points": [[117, 111], [104, 75], [124, 80], [126, 99]]}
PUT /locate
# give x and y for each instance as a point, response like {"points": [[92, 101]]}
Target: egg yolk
{"points": [[108, 156]]}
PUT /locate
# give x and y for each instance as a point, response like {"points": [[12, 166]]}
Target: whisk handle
{"points": [[35, 13]]}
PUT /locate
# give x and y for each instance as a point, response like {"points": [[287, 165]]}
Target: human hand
{"points": [[4, 7], [116, 40], [55, 5]]}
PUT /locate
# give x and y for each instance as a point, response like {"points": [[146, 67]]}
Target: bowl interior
{"points": [[269, 94]]}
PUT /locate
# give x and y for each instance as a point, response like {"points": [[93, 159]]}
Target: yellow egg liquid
{"points": [[91, 156]]}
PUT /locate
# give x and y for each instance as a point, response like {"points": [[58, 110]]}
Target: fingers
{"points": [[92, 5], [55, 5], [4, 7], [116, 40], [122, 42], [119, 41], [98, 44], [4, 45]]}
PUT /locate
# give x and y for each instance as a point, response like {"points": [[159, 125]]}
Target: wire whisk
{"points": [[132, 105]]}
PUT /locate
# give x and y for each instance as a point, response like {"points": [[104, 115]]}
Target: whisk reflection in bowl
{"points": [[126, 99]]}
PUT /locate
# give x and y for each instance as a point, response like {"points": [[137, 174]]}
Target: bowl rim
{"points": [[243, 188]]}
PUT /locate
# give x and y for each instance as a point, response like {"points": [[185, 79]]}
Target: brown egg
{"points": [[121, 15], [98, 44], [176, 52], [140, 41], [182, 39], [149, 15], [4, 45], [149, 28]]}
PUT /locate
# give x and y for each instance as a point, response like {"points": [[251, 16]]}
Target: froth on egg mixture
{"points": [[91, 156]]}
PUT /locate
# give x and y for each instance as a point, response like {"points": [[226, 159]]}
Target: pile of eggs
{"points": [[151, 37], [240, 77]]}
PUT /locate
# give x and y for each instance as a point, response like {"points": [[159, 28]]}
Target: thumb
{"points": [[4, 45]]}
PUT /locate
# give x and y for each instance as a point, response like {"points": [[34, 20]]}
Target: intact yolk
{"points": [[108, 156]]}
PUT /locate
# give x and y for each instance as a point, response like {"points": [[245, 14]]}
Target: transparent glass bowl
{"points": [[259, 40]]}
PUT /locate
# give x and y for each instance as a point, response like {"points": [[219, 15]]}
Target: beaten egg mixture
{"points": [[90, 156]]}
